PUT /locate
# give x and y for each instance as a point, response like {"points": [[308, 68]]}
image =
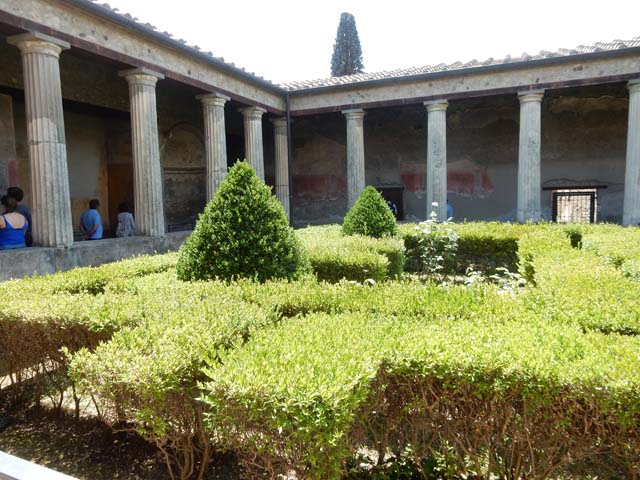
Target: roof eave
{"points": [[162, 38], [470, 70]]}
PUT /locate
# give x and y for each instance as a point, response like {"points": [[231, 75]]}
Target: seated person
{"points": [[13, 225], [90, 222], [23, 209]]}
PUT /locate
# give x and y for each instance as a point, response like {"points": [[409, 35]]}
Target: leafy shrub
{"points": [[370, 216], [437, 245], [334, 257], [243, 232], [533, 397]]}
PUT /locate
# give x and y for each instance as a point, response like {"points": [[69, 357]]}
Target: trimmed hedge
{"points": [[303, 375], [308, 394], [334, 257], [243, 232], [370, 216], [485, 246], [147, 377]]}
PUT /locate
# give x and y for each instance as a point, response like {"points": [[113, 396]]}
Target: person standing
{"points": [[18, 194], [126, 224], [13, 225], [90, 221]]}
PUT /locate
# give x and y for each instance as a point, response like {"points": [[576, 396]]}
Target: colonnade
{"points": [[51, 202], [529, 177], [48, 157]]}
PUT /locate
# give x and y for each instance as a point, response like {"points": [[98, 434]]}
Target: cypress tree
{"points": [[347, 53]]}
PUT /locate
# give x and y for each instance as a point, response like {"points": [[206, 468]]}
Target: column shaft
{"points": [[282, 162], [215, 141], [631, 207], [355, 155], [529, 184], [52, 223], [437, 158], [147, 172], [253, 148]]}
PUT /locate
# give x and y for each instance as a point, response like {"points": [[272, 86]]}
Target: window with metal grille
{"points": [[575, 205]]}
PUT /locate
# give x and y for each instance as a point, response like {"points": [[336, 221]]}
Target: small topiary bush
{"points": [[243, 232], [370, 216]]}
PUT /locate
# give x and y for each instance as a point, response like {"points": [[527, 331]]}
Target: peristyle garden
{"points": [[364, 351]]}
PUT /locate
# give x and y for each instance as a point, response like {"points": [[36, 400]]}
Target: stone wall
{"points": [[583, 144]]}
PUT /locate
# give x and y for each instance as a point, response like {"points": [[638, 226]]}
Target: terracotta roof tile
{"points": [[408, 72]]}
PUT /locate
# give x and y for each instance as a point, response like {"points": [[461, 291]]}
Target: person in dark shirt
{"points": [[22, 209]]}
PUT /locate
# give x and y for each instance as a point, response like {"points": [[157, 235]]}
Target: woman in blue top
{"points": [[13, 225]]}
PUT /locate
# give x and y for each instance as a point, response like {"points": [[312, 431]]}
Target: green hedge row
{"points": [[514, 399], [334, 256]]}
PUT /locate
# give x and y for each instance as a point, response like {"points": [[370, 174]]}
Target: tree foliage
{"points": [[243, 232], [370, 216], [347, 53]]}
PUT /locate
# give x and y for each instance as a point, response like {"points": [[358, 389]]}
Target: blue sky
{"points": [[285, 40]]}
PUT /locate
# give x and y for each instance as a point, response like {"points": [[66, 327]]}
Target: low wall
{"points": [[40, 261]]}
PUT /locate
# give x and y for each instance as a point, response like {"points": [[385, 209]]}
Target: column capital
{"points": [[216, 99], [354, 112], [252, 112], [530, 96], [36, 42], [141, 76], [634, 85], [436, 105], [280, 122]]}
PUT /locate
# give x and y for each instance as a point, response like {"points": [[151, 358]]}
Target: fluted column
{"points": [[147, 172], [253, 149], [52, 223], [215, 140], [355, 154], [631, 207], [281, 142], [437, 158], [529, 206]]}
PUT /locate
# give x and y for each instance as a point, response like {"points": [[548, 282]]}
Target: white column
{"points": [[281, 141], [253, 149], [355, 154], [631, 207], [529, 206], [437, 158], [51, 204], [147, 172], [215, 140]]}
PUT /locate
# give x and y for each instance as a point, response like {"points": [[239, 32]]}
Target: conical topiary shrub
{"points": [[243, 232], [370, 216]]}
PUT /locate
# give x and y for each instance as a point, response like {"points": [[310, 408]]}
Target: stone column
{"points": [[253, 149], [147, 172], [215, 140], [355, 154], [631, 207], [437, 158], [529, 206], [51, 204], [281, 141]]}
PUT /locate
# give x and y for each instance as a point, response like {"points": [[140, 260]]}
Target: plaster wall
{"points": [[583, 144]]}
